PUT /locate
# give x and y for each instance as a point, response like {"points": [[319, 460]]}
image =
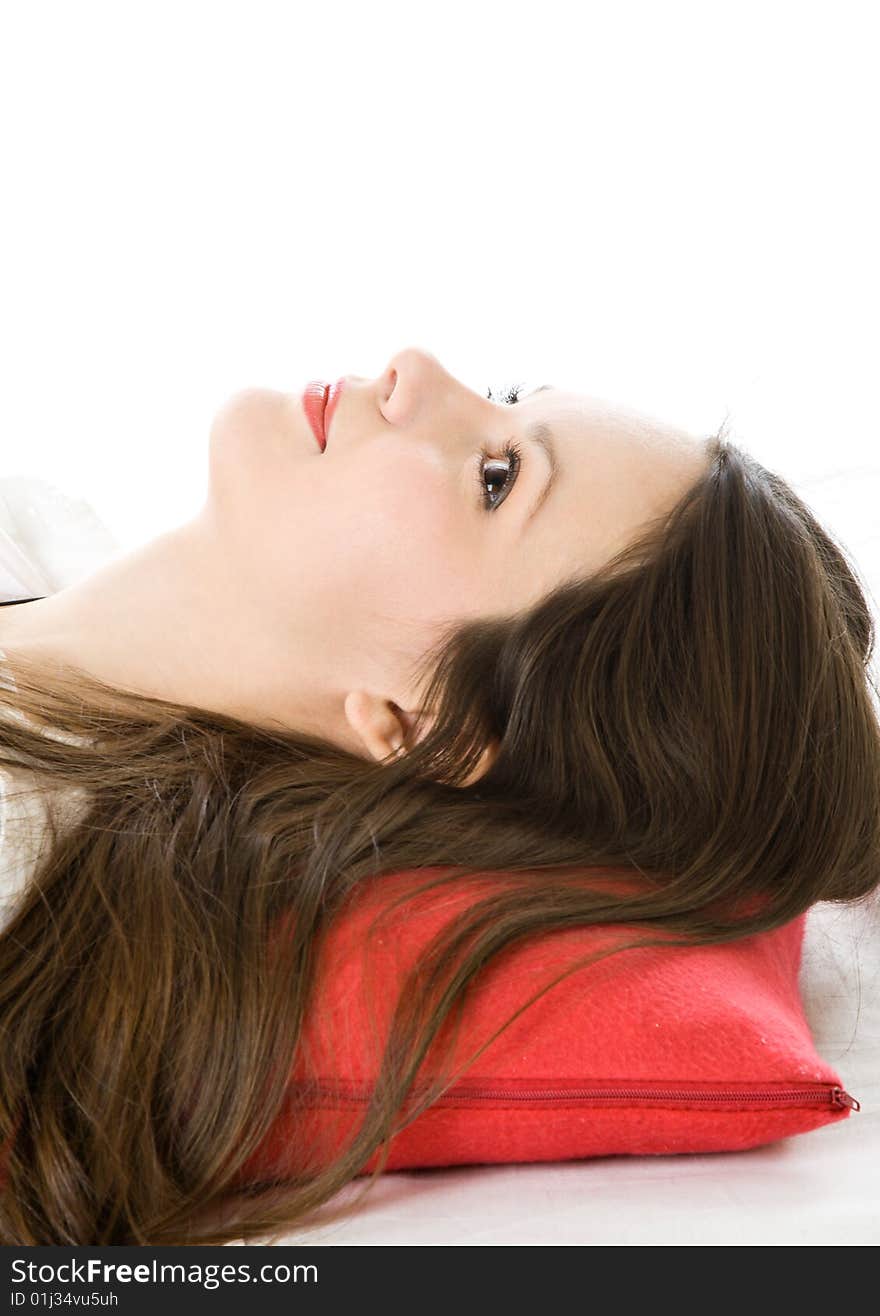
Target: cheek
{"points": [[393, 548]]}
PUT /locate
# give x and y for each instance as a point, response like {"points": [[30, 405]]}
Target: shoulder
{"points": [[24, 812], [23, 827]]}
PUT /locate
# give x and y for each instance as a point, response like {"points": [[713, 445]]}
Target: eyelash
{"points": [[510, 393], [512, 453]]}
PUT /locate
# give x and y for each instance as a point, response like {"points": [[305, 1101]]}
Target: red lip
{"points": [[320, 400]]}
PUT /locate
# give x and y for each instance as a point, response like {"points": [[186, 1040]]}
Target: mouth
{"points": [[320, 400]]}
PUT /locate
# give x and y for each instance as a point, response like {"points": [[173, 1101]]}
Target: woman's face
{"points": [[358, 554]]}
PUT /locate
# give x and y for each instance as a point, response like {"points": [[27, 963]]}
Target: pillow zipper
{"points": [[768, 1094]]}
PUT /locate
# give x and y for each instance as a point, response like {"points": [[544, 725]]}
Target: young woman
{"points": [[530, 640]]}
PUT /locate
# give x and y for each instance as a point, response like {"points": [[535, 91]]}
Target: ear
{"points": [[385, 729]]}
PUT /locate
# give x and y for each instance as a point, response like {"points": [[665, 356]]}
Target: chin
{"points": [[255, 430]]}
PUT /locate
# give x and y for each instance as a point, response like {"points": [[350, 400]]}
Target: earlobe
{"points": [[486, 760]]}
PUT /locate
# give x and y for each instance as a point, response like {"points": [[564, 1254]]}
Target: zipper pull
{"points": [[841, 1098]]}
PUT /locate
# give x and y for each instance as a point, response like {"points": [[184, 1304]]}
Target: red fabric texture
{"points": [[711, 1018]]}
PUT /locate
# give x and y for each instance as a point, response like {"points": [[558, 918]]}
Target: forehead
{"points": [[619, 467], [590, 416]]}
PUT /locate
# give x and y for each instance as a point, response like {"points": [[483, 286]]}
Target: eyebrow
{"points": [[541, 434]]}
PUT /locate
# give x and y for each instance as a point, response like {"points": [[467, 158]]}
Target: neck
{"points": [[173, 619]]}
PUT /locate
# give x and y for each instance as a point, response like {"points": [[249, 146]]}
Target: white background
{"points": [[671, 205]]}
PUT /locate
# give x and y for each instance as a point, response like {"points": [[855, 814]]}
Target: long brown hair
{"points": [[700, 714]]}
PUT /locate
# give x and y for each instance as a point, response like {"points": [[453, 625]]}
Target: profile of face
{"points": [[431, 503]]}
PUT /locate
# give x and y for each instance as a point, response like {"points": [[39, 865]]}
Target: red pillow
{"points": [[656, 1050]]}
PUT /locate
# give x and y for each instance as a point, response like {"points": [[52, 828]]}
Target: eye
{"points": [[502, 477], [510, 394]]}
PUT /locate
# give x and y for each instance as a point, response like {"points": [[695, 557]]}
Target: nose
{"points": [[416, 387], [408, 381]]}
